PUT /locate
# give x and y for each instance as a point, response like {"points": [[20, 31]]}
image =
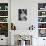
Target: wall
{"points": [[32, 11]]}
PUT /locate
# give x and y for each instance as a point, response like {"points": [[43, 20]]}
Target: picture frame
{"points": [[22, 14]]}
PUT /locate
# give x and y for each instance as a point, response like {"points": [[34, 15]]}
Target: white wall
{"points": [[32, 11]]}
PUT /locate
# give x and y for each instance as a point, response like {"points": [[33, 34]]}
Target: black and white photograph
{"points": [[22, 14]]}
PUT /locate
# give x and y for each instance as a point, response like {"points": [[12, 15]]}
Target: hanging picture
{"points": [[22, 14]]}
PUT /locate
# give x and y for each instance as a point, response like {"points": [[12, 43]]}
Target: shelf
{"points": [[3, 16], [3, 10], [41, 10], [41, 28], [41, 22], [4, 19], [42, 19], [42, 16], [3, 22]]}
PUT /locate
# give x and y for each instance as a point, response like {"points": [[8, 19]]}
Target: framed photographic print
{"points": [[22, 14]]}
